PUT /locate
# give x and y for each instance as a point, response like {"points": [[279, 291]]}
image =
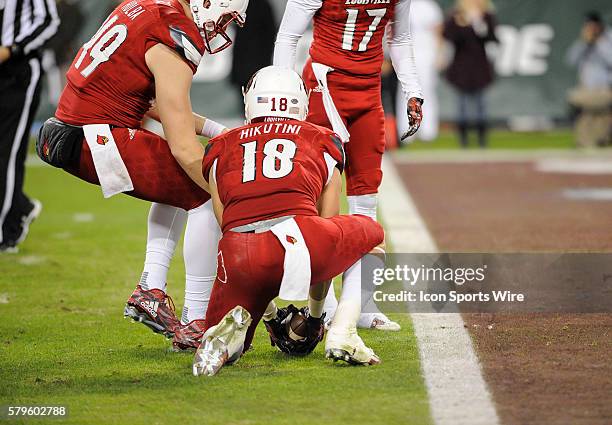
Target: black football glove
{"points": [[277, 329], [415, 117]]}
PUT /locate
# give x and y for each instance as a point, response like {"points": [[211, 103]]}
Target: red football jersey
{"points": [[269, 170], [109, 81], [348, 34]]}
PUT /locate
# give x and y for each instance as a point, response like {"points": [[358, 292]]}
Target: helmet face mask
{"points": [[213, 17], [275, 93]]}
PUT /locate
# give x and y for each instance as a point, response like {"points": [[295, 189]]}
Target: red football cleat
{"points": [[153, 309], [188, 337]]}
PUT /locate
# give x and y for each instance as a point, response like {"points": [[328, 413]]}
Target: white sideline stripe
{"points": [[592, 166], [458, 393], [84, 217], [499, 155]]}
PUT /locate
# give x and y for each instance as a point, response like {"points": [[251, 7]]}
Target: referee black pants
{"points": [[20, 81]]}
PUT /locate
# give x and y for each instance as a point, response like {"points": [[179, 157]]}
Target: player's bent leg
{"points": [[364, 174], [343, 341], [200, 251], [165, 226], [372, 319], [155, 174], [364, 153], [249, 272], [147, 304], [222, 343], [200, 255], [340, 242]]}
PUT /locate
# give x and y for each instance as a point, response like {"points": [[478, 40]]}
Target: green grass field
{"points": [[63, 339], [501, 139]]}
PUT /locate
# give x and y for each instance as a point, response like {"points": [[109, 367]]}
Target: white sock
{"points": [[331, 303], [366, 205], [165, 226], [363, 204], [315, 307], [200, 254], [349, 306], [369, 307]]}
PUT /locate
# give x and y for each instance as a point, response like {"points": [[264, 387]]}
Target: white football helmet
{"points": [[214, 16], [278, 92]]}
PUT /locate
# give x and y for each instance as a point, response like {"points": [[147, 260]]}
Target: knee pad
{"points": [[59, 144], [363, 205]]}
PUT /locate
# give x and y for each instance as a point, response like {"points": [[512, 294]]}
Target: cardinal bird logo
{"points": [[102, 140], [46, 149], [291, 240]]}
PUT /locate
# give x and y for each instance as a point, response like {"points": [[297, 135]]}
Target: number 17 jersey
{"points": [[348, 35], [109, 81], [271, 169]]}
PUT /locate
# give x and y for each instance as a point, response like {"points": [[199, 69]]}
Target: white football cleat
{"points": [[223, 343], [377, 321], [349, 347]]}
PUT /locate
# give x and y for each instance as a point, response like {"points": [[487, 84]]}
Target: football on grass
{"points": [[297, 327]]}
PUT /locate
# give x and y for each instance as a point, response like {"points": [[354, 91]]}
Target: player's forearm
{"points": [[329, 201], [401, 52], [296, 19], [203, 126], [189, 156], [402, 59], [214, 194], [191, 161], [177, 120]]}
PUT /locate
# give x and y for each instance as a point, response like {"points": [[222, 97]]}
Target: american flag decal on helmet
{"points": [[262, 100]]}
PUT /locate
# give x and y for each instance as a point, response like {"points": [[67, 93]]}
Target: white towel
{"points": [[112, 172], [296, 277], [320, 72]]}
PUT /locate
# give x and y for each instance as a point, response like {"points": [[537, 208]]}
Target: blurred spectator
{"points": [[112, 6], [65, 43], [254, 44], [469, 27], [426, 19], [592, 55], [62, 47]]}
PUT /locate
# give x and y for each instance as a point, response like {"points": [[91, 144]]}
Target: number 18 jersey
{"points": [[271, 169], [348, 34], [109, 81]]}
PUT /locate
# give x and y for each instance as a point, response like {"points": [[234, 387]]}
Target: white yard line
{"points": [[498, 155], [34, 161], [458, 393]]}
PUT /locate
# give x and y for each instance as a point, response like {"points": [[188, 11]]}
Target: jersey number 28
{"points": [[277, 161], [102, 45]]}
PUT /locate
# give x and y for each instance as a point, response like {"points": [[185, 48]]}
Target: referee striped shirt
{"points": [[27, 24]]}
